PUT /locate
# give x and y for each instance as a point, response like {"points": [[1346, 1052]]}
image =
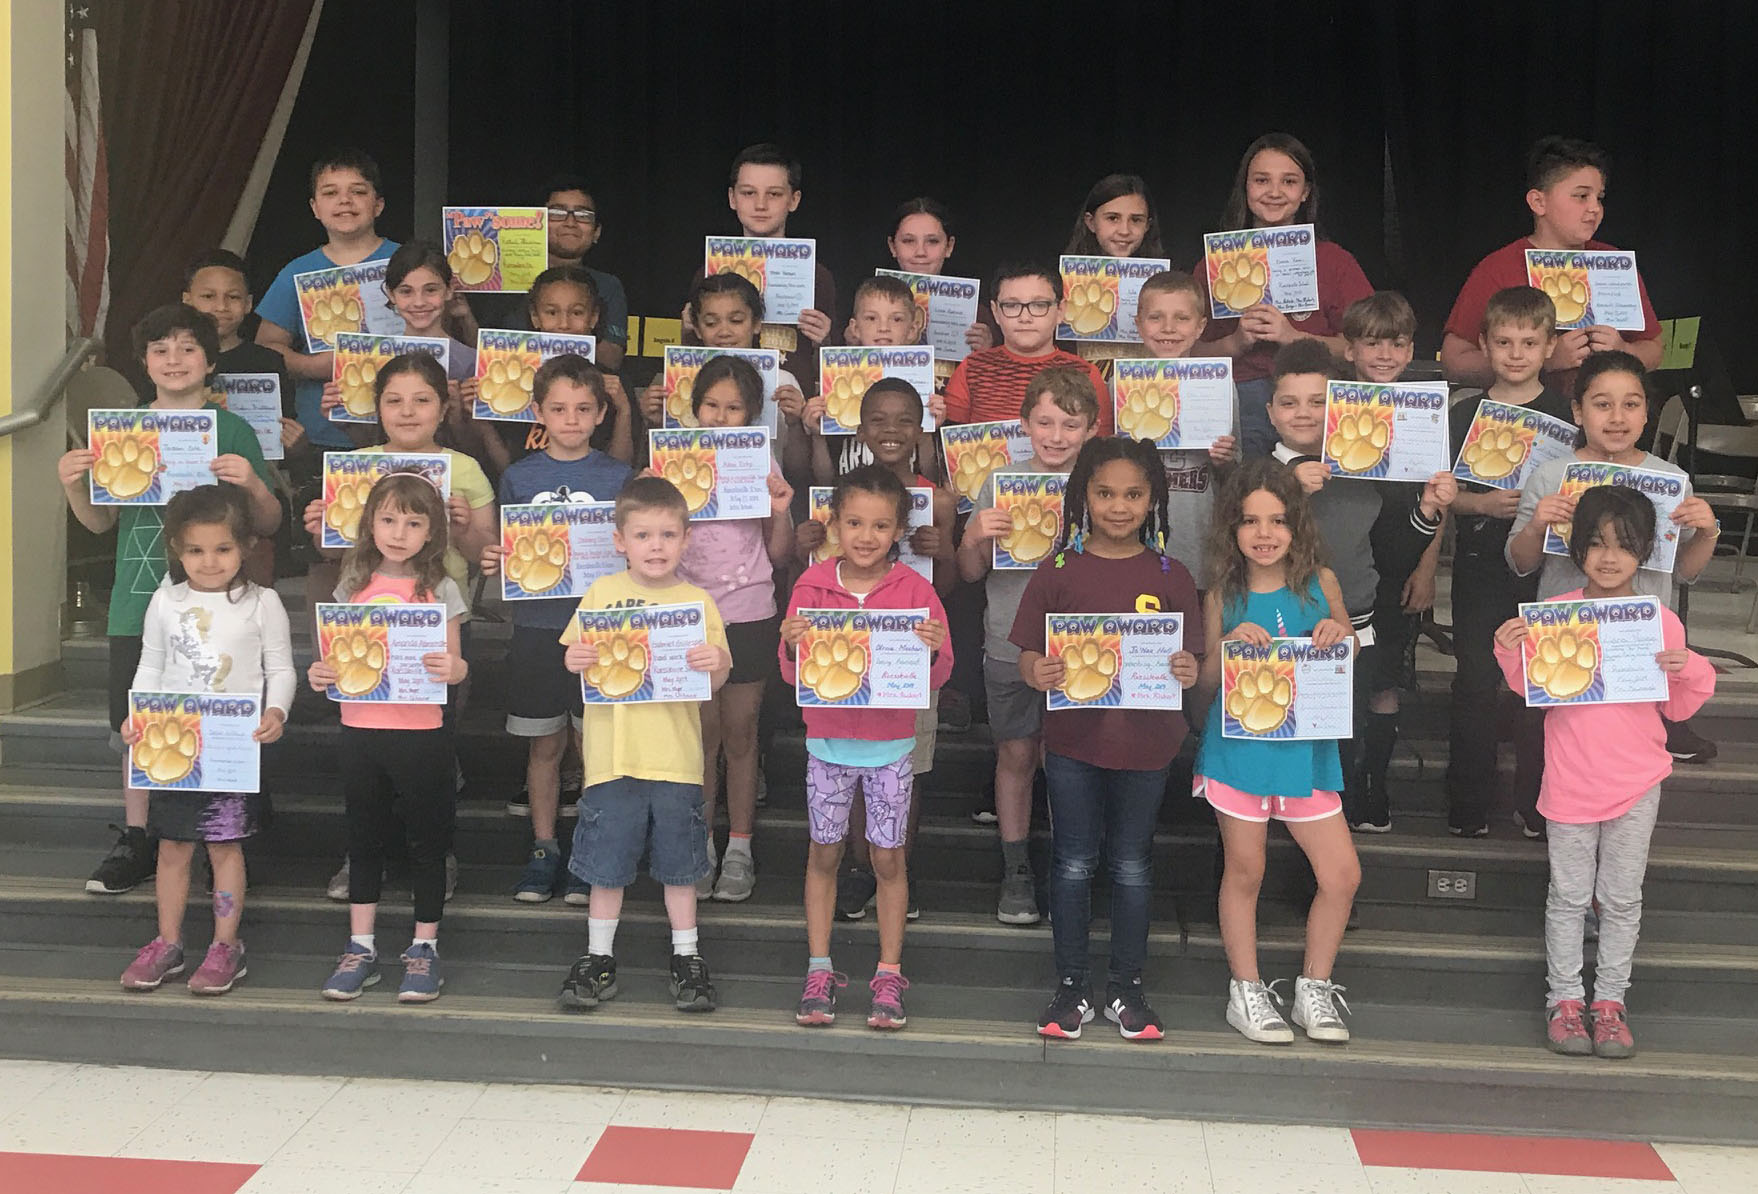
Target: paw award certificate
{"points": [[1277, 266], [1505, 443], [1390, 432], [723, 472], [377, 651], [255, 398], [348, 480], [358, 359], [1593, 652], [1287, 690], [344, 298], [844, 374], [948, 306], [195, 742], [495, 248], [974, 450], [1033, 504], [641, 654], [506, 369], [556, 549], [1101, 295], [862, 659], [1665, 490], [1182, 403], [1115, 661], [782, 270], [1590, 287], [145, 456], [684, 361]]}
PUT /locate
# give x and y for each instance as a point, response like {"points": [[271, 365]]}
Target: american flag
{"points": [[88, 181]]}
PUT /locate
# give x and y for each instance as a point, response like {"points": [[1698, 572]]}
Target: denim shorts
{"points": [[621, 819]]}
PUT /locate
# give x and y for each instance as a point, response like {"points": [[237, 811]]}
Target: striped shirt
{"points": [[989, 386]]}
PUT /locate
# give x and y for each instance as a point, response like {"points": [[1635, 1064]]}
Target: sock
{"points": [[1016, 855], [365, 940], [814, 965], [683, 943], [889, 968], [601, 936], [738, 843], [431, 943], [547, 843]]}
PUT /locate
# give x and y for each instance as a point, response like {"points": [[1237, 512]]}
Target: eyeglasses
{"points": [[582, 215], [1013, 307]]}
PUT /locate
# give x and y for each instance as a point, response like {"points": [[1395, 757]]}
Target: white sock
{"points": [[683, 942], [431, 943], [738, 845], [601, 936], [368, 941]]}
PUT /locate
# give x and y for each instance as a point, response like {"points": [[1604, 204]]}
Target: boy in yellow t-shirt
{"points": [[644, 761]]}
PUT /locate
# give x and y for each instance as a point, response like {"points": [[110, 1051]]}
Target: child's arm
{"points": [[472, 528], [1696, 553], [936, 634], [986, 523], [448, 666], [1419, 589], [280, 676], [1509, 636], [622, 436], [314, 526], [311, 366], [935, 541], [778, 528], [1525, 550], [155, 632], [1040, 671], [1208, 680], [72, 470], [1334, 629], [265, 508]]}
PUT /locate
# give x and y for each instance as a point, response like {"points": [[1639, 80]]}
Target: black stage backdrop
{"points": [[1419, 115]]}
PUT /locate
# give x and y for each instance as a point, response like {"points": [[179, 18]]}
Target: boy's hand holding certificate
{"points": [[723, 472], [1593, 652], [1177, 403], [639, 655], [1114, 661], [1287, 689], [1033, 504], [1505, 443], [862, 659], [974, 450], [1665, 490], [1386, 432], [379, 652], [194, 742]]}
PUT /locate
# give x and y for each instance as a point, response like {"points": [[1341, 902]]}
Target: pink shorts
{"points": [[1247, 807]]}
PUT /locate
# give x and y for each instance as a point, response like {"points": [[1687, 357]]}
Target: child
{"points": [[1604, 764], [920, 242], [1106, 767], [1116, 220], [1277, 185], [397, 760], [1264, 551], [177, 346], [865, 748], [215, 284], [885, 315], [1565, 191], [208, 629], [570, 397], [1060, 413], [734, 561], [644, 762], [1519, 324]]}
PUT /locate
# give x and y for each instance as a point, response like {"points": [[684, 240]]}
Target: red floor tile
{"points": [[667, 1157], [106, 1175], [1560, 1156]]}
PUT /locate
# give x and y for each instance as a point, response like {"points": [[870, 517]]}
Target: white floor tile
{"points": [[546, 1150], [1282, 1143], [1546, 1183], [60, 1119], [1027, 1132], [468, 1184], [242, 1134], [586, 1105], [1708, 1169], [783, 1164], [702, 1112], [22, 1081], [1386, 1179], [839, 1120], [1081, 1172], [384, 1143], [1129, 1134], [294, 1179], [971, 1169], [293, 1095], [382, 1097], [1233, 1176]]}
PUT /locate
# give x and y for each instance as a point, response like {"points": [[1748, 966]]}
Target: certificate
{"points": [[683, 362], [862, 659], [495, 248], [1277, 266], [1506, 443], [1287, 690], [506, 369], [1590, 287], [1033, 505], [1177, 403], [1386, 432], [844, 374], [145, 455], [556, 549], [1593, 652], [948, 306], [377, 651], [1100, 295], [359, 357], [1665, 490], [1115, 661], [723, 472], [974, 450], [641, 654], [782, 270], [921, 515], [195, 742], [344, 298], [348, 480], [255, 398]]}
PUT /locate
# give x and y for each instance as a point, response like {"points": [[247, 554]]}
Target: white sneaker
{"points": [[705, 885], [1315, 1009], [337, 888], [1251, 1008], [738, 877], [451, 875]]}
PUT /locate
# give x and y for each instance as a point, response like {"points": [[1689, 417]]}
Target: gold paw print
{"points": [[842, 401], [832, 545], [1150, 409], [1562, 664], [168, 745], [539, 560], [693, 474], [336, 311], [1495, 453], [1359, 441], [506, 387], [677, 403], [1240, 281], [359, 660], [833, 667], [126, 466], [343, 512], [622, 662], [472, 258], [975, 464], [356, 383], [1567, 288], [1034, 531], [1260, 699], [1090, 670], [750, 269], [1091, 304]]}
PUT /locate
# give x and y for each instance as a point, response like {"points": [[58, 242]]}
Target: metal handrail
{"points": [[37, 409]]}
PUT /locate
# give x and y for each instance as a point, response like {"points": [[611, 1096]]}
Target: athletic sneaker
{"points": [[1531, 828], [1468, 830], [1315, 1009], [157, 961], [738, 877], [1368, 825], [1128, 1009], [543, 870], [1018, 902], [219, 971], [705, 885], [356, 970], [1687, 745], [520, 805], [818, 997], [130, 862], [1070, 1009], [690, 987], [1251, 1008], [887, 1012], [855, 889], [578, 893], [1611, 1030], [591, 980], [984, 813], [1565, 1029], [573, 784], [451, 874], [912, 910], [337, 889], [421, 976]]}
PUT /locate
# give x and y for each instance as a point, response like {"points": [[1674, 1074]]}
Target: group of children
{"points": [[1249, 539]]}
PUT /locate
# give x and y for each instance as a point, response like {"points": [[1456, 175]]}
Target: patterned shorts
{"points": [[830, 792]]}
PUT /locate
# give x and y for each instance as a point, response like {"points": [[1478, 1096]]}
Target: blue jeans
{"points": [[1092, 807], [621, 819], [1257, 436]]}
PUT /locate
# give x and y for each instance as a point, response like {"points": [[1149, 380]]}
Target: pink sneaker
{"points": [[1611, 1031], [1566, 1029], [223, 966], [887, 1011], [157, 961]]}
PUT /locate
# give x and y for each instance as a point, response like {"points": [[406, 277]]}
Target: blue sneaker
{"points": [[542, 871], [356, 970], [578, 893], [421, 977]]}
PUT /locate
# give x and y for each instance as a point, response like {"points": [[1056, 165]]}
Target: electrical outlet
{"points": [[1452, 885]]}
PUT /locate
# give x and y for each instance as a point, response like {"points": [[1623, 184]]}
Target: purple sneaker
{"points": [[818, 998], [887, 1011], [223, 967], [157, 961]]}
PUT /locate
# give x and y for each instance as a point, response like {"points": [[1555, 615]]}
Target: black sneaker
{"points": [[913, 909], [855, 888], [1125, 1007], [130, 862], [690, 986], [1478, 830], [520, 805], [1531, 826], [1071, 1008], [591, 980], [984, 812], [1686, 745], [955, 711]]}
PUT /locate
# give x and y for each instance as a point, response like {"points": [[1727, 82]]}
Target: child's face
{"points": [[1379, 358], [1516, 351], [1119, 225], [723, 405], [1612, 412], [398, 533], [564, 307], [726, 322], [1117, 500], [177, 364], [1275, 187], [1608, 565], [1170, 322], [345, 203], [570, 412], [421, 298], [889, 425], [762, 199], [1572, 207], [570, 237], [1297, 410], [1263, 534], [653, 542], [221, 294], [1056, 435], [210, 555], [410, 412], [920, 244], [866, 526], [1027, 311], [880, 319]]}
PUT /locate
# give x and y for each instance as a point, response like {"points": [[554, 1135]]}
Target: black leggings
{"points": [[399, 783]]}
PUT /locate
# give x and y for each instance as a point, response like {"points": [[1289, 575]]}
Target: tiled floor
{"points": [[96, 1129]]}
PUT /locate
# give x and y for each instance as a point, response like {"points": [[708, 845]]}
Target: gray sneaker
{"points": [[705, 885], [1018, 904], [738, 876], [338, 888]]}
